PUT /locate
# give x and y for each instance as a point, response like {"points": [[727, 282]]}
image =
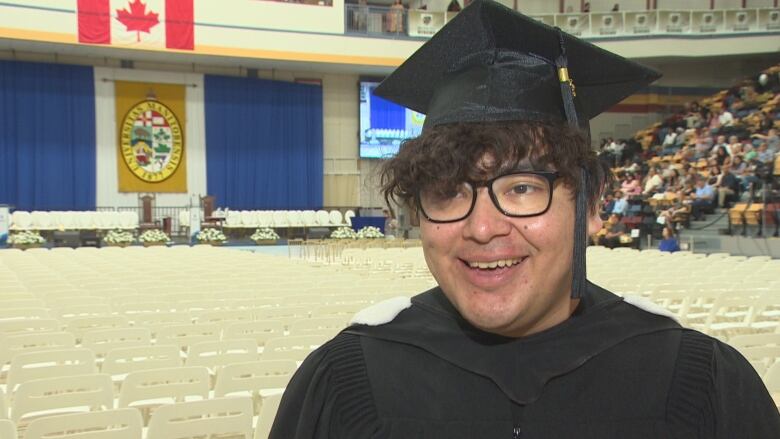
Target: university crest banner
{"points": [[151, 148]]}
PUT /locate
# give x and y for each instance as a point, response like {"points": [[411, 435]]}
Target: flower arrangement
{"points": [[264, 234], [211, 235], [343, 233], [370, 232], [154, 236], [119, 237], [27, 238]]}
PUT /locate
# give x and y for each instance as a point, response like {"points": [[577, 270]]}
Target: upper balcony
{"points": [[329, 35]]}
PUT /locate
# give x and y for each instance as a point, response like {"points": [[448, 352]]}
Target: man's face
{"points": [[529, 288]]}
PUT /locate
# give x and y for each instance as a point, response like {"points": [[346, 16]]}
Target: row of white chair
{"points": [[218, 417], [286, 218], [72, 220]]}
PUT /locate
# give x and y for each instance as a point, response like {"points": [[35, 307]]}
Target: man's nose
{"points": [[485, 221]]}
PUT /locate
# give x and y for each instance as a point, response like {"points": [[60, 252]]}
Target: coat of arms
{"points": [[151, 141]]}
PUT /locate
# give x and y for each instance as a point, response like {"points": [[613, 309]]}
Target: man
{"points": [[703, 199], [621, 204], [514, 343], [612, 232], [728, 186], [653, 182]]}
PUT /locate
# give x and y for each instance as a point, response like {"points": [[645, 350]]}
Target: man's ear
{"points": [[595, 223]]}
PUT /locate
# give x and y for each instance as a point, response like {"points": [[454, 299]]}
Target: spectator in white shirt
{"points": [[653, 181]]}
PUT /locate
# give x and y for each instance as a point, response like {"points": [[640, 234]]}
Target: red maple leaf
{"points": [[137, 19]]}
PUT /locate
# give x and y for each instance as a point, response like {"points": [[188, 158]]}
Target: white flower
{"points": [[26, 238], [211, 235], [154, 235], [370, 232], [119, 237], [264, 234], [343, 233]]}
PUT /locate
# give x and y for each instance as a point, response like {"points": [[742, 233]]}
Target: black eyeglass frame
{"points": [[550, 176]]}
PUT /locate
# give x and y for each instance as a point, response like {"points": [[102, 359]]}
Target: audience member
{"points": [[653, 182], [621, 204], [669, 243], [613, 230], [728, 186], [703, 199]]}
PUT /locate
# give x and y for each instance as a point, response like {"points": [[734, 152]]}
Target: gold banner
{"points": [[150, 120]]}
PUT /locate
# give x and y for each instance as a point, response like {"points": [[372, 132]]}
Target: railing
{"points": [[160, 214], [397, 23]]}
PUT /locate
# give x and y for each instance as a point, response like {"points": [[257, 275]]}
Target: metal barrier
{"points": [[161, 214], [395, 23]]}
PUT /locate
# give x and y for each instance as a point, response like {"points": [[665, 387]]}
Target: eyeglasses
{"points": [[517, 194]]}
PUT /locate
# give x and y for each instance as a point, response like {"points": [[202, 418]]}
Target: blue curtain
{"points": [[47, 136], [263, 143], [385, 114]]}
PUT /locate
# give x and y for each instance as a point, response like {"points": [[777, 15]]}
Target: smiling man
{"points": [[514, 342]]}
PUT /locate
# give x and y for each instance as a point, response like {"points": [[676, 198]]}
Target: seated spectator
{"points": [[607, 205], [669, 243], [610, 235], [703, 199], [631, 185], [764, 154], [725, 118], [678, 213], [728, 186], [721, 155], [771, 138], [621, 204], [653, 182]]}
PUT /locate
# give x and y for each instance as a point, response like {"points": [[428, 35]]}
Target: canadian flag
{"points": [[138, 23]]}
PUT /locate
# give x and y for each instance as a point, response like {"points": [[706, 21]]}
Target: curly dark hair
{"points": [[447, 155]]}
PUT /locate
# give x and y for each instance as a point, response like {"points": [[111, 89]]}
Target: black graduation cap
{"points": [[491, 63]]}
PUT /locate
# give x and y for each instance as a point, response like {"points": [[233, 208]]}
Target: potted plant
{"points": [[26, 239], [343, 232], [119, 238], [211, 236], [154, 237], [370, 232], [265, 236]]}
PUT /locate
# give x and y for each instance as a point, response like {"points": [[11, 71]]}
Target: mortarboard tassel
{"points": [[567, 84], [581, 204], [580, 239]]}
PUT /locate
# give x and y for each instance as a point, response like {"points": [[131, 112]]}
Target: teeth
{"points": [[494, 264]]}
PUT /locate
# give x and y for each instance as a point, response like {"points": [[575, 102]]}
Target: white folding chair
{"points": [[294, 347], [259, 330], [27, 326], [155, 387], [219, 353], [12, 345], [50, 396], [3, 405], [45, 364], [121, 361], [78, 326], [101, 341], [319, 325], [24, 313], [253, 378], [107, 424], [267, 414], [214, 417], [187, 335], [7, 429]]}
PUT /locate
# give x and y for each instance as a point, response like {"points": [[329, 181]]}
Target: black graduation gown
{"points": [[610, 371]]}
